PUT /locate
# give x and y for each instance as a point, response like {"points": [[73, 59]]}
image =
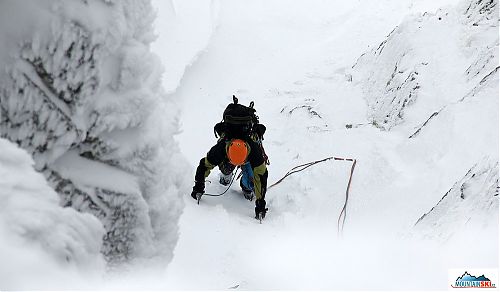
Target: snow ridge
{"points": [[435, 80], [475, 195], [391, 75], [399, 71]]}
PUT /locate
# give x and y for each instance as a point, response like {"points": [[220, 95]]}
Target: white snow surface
{"points": [[43, 245], [472, 203], [310, 67], [94, 174], [184, 29], [295, 60]]}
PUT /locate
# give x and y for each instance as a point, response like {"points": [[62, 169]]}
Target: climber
{"points": [[239, 145]]}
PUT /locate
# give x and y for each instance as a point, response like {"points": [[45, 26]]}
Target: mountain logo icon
{"points": [[469, 281]]}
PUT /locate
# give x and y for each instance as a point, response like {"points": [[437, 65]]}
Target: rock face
{"points": [[435, 79], [436, 58], [472, 201], [81, 93]]}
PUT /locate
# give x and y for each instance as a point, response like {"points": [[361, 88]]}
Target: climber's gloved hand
{"points": [[260, 208], [199, 188], [195, 195]]}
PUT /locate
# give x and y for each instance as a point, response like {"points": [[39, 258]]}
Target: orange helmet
{"points": [[237, 152]]}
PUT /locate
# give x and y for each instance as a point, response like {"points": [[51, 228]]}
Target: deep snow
{"points": [[295, 61], [311, 67], [42, 241]]}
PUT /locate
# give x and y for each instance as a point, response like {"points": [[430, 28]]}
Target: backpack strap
{"points": [[219, 129]]}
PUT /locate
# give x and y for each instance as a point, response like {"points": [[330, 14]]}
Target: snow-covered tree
{"points": [[37, 235], [81, 92]]}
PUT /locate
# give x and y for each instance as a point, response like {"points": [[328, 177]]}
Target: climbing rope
{"points": [[298, 168], [340, 228]]}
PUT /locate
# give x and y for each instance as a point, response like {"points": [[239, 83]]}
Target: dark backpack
{"points": [[239, 121]]}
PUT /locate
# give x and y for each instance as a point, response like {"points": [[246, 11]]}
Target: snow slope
{"points": [[472, 203], [424, 81], [81, 93], [300, 62], [183, 29]]}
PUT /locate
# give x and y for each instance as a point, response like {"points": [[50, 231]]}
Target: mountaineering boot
{"points": [[225, 179], [249, 195], [246, 183]]}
